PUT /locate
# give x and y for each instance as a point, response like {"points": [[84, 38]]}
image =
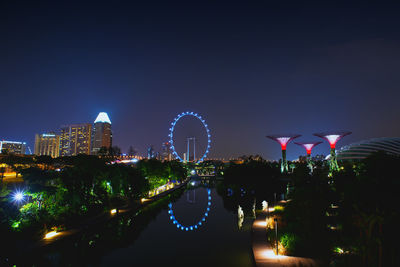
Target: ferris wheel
{"points": [[171, 134]]}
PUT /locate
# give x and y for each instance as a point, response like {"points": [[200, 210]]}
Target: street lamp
{"points": [[18, 196], [276, 235]]}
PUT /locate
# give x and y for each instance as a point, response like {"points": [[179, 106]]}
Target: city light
{"points": [[18, 196]]}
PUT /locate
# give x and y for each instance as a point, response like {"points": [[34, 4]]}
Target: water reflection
{"points": [[148, 238], [199, 223], [240, 217]]}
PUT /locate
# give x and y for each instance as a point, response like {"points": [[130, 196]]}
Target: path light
{"points": [[51, 234], [276, 235], [18, 196]]}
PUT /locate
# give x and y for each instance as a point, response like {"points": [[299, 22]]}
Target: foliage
{"points": [[159, 173], [290, 242]]}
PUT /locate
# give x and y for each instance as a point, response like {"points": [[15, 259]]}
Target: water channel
{"points": [[194, 226]]}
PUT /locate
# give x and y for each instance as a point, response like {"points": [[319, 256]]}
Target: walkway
{"points": [[264, 255]]}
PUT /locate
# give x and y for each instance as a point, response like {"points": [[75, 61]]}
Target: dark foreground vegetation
{"points": [[58, 194], [348, 219]]}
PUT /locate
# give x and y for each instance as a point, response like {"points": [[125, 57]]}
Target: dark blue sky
{"points": [[250, 68]]}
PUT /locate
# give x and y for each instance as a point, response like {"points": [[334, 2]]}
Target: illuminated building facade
{"points": [[101, 134], [166, 151], [361, 150], [150, 152], [75, 139], [47, 144], [12, 147], [283, 140]]}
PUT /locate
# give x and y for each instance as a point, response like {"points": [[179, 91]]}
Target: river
{"points": [[209, 234]]}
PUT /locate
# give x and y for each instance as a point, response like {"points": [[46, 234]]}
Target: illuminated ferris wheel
{"points": [[171, 135]]}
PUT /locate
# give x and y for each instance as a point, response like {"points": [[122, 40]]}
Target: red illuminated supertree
{"points": [[283, 140], [308, 146], [333, 138]]}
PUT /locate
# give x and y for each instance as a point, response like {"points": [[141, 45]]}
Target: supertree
{"points": [[308, 146], [332, 138], [283, 140]]}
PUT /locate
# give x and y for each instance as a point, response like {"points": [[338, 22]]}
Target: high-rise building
{"points": [[47, 144], [12, 147], [166, 151], [101, 135], [75, 139], [150, 152]]}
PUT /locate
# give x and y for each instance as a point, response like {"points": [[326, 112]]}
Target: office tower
{"points": [[101, 135], [75, 139], [47, 144], [12, 147], [150, 152], [166, 151]]}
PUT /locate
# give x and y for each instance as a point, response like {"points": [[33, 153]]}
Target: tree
{"points": [[47, 161], [103, 151], [115, 151]]}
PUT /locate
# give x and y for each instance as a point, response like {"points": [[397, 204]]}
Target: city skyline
{"points": [[252, 69]]}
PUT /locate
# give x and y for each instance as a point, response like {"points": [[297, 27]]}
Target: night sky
{"points": [[251, 68]]}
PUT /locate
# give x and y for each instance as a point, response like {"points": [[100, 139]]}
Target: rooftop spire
{"points": [[103, 118]]}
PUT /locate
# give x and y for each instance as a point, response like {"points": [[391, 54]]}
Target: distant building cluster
{"points": [[74, 139]]}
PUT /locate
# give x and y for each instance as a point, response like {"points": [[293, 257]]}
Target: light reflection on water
{"points": [[151, 238], [217, 243]]}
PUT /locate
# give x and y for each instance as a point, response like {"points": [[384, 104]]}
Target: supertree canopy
{"points": [[332, 138], [283, 140], [308, 146]]}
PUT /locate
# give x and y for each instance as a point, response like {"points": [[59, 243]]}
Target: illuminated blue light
{"points": [[172, 129], [190, 227]]}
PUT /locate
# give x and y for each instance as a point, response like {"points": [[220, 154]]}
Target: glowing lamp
{"points": [[113, 211], [51, 234], [18, 196]]}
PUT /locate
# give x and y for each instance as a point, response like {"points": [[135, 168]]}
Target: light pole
{"points": [[276, 235]]}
